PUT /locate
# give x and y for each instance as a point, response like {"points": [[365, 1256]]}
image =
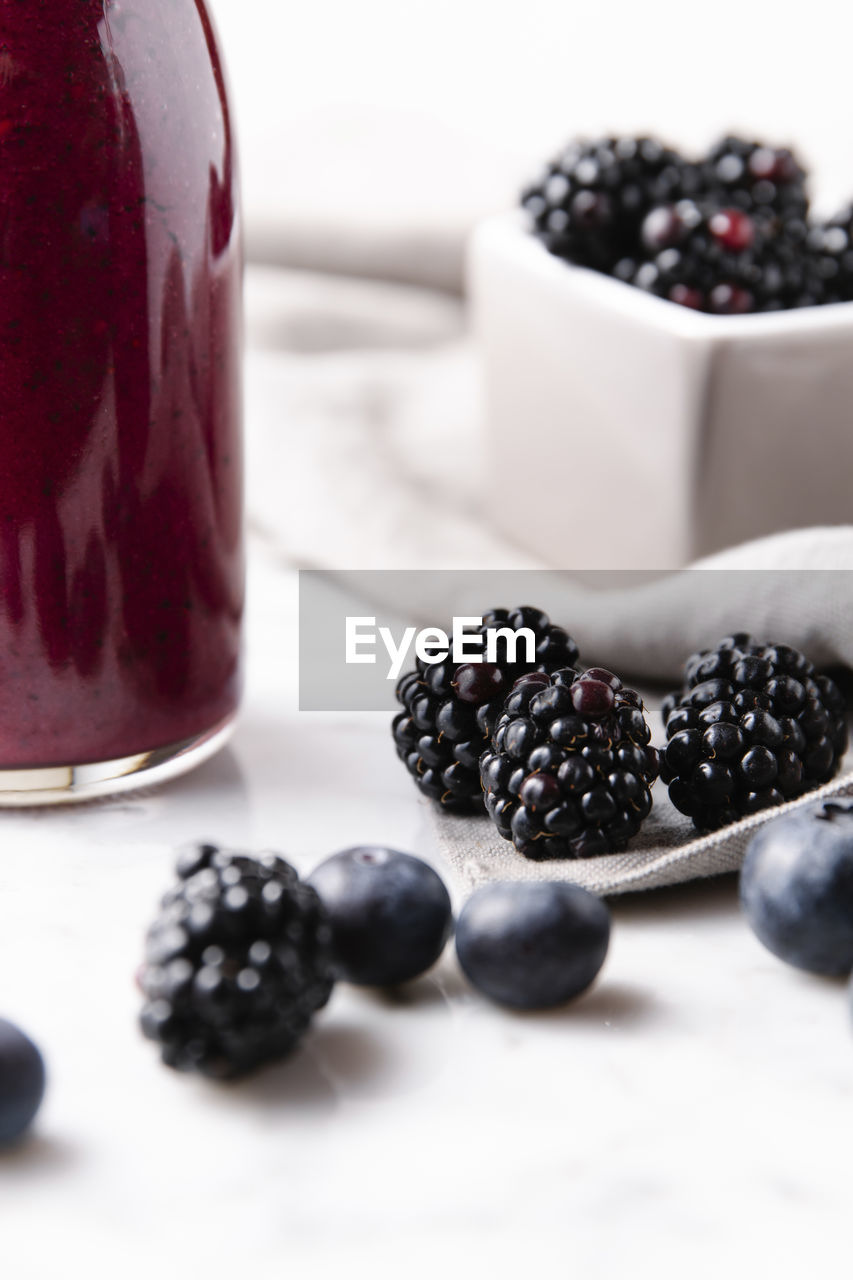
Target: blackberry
{"points": [[728, 234], [589, 203], [570, 766], [450, 709], [791, 274], [723, 261], [236, 963], [754, 725], [692, 264], [830, 257], [767, 182]]}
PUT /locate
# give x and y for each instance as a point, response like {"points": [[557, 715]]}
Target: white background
{"points": [[447, 104]]}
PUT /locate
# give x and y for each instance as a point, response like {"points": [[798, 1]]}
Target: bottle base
{"points": [[74, 783]]}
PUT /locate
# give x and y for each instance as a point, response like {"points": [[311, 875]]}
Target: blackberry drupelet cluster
{"points": [[236, 963], [767, 182], [570, 768], [830, 257], [588, 204], [753, 726], [450, 710], [728, 234], [723, 261]]}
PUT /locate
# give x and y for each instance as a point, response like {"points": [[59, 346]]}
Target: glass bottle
{"points": [[121, 561]]}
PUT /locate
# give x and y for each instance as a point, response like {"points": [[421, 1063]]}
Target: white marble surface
{"points": [[687, 1117]]}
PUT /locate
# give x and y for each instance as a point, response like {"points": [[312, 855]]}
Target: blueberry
{"points": [[22, 1080], [390, 914], [796, 886], [532, 946]]}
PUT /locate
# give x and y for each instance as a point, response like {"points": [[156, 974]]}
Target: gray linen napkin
{"points": [[667, 850]]}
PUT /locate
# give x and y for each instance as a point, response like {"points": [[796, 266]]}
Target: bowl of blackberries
{"points": [[685, 320], [727, 233]]}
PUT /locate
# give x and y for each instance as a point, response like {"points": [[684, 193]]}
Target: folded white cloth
{"points": [[794, 588], [370, 192]]}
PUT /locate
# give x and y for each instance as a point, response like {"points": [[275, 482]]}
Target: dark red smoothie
{"points": [[120, 402]]}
